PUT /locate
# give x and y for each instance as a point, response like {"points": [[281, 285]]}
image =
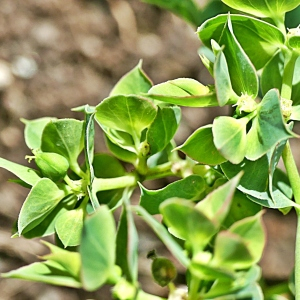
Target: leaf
{"points": [[268, 127], [68, 227], [163, 128], [133, 83], [107, 166], [260, 40], [65, 137], [97, 249], [127, 245], [48, 272], [26, 174], [164, 235], [200, 147], [264, 9], [230, 137], [271, 76], [130, 114], [242, 73], [34, 130], [296, 83], [216, 205], [188, 223], [190, 188], [42, 199], [241, 245], [188, 10], [223, 86]]}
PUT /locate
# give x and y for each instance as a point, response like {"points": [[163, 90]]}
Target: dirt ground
{"points": [[56, 55]]}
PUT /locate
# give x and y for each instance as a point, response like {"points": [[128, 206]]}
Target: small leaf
{"points": [[65, 137], [163, 128], [97, 249], [230, 137], [190, 187], [34, 130], [68, 227], [268, 127], [26, 174], [200, 147], [132, 83], [42, 199], [131, 114]]}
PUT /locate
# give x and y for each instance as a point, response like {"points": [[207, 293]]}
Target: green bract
{"points": [[208, 209]]}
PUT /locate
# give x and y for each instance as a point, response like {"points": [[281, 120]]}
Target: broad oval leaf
{"points": [[131, 114], [264, 9], [42, 199], [190, 187], [132, 83], [65, 137], [230, 138], [97, 249], [259, 39], [200, 147]]}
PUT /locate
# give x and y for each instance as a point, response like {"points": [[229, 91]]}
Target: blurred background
{"points": [[56, 55]]}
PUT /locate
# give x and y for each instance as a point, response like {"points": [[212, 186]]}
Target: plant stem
{"points": [[297, 258], [104, 184], [193, 288], [160, 171]]}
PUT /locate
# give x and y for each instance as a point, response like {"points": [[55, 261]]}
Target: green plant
{"points": [[212, 217]]}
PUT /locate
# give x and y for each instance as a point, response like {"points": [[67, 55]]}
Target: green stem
{"points": [[193, 288], [297, 258], [104, 184], [160, 171], [288, 73]]}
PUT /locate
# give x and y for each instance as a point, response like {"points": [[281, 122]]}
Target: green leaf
{"points": [[188, 10], [216, 205], [42, 199], [26, 174], [34, 130], [68, 227], [188, 223], [241, 245], [65, 137], [223, 86], [264, 9], [268, 127], [130, 114], [164, 235], [132, 83], [48, 272], [97, 249], [242, 73], [127, 245], [107, 166], [190, 188], [230, 137], [296, 83], [260, 40], [163, 128], [200, 147]]}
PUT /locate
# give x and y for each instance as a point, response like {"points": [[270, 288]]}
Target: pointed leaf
{"points": [[97, 249], [190, 187], [132, 83], [26, 174], [230, 138], [268, 127], [42, 199]]}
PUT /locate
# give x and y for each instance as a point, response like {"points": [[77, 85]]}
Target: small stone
{"points": [[6, 77]]}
